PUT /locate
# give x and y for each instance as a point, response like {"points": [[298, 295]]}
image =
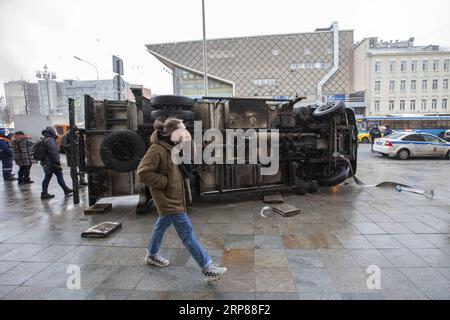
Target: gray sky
{"points": [[34, 33]]}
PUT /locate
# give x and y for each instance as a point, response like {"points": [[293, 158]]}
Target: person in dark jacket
{"points": [[52, 164], [387, 131], [169, 190], [375, 133], [7, 156], [22, 146]]}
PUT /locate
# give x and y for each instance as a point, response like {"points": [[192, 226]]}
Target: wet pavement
{"points": [[323, 253]]}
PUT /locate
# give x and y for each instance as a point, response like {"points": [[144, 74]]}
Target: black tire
{"points": [[170, 102], [447, 156], [122, 150], [384, 155], [180, 114], [365, 140], [403, 154], [328, 109]]}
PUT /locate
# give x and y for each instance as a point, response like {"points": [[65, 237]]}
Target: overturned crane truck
{"points": [[316, 145]]}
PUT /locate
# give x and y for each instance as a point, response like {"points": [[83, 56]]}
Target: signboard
{"points": [[117, 65], [77, 103], [335, 97]]}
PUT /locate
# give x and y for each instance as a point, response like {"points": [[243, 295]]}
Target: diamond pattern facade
{"points": [[276, 65]]}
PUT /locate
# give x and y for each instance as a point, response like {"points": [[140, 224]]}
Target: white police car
{"points": [[404, 145]]}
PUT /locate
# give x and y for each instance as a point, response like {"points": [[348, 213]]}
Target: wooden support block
{"points": [[98, 208]]}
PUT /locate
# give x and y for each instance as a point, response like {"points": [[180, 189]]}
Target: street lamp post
{"points": [[205, 56], [91, 64], [47, 75]]}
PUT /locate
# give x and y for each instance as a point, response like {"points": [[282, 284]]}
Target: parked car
{"points": [[404, 145]]}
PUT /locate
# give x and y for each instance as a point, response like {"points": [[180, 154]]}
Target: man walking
{"points": [[22, 145], [375, 133], [52, 164], [387, 131], [169, 188], [7, 156]]}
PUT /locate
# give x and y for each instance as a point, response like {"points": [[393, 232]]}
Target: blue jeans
{"points": [[59, 176], [7, 165], [183, 227]]}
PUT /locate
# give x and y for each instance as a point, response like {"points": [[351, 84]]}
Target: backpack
{"points": [[39, 151]]}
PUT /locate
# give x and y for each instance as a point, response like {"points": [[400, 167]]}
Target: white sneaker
{"points": [[157, 261], [213, 272]]}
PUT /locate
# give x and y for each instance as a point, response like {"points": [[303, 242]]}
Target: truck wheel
{"points": [[180, 114], [328, 109], [170, 102], [122, 150]]}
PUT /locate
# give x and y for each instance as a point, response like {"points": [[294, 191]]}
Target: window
{"points": [[414, 65], [413, 85], [445, 84], [425, 65], [265, 82], [429, 138], [403, 66], [402, 105], [403, 85], [329, 51], [424, 85], [391, 105], [377, 105], [275, 52], [309, 65], [378, 66], [435, 65], [413, 138], [435, 84], [377, 86], [412, 105], [392, 66], [444, 104], [424, 104], [434, 104], [392, 85], [307, 52], [447, 64]]}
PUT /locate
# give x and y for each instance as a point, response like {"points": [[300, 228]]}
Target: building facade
{"points": [[22, 97], [401, 78], [312, 64]]}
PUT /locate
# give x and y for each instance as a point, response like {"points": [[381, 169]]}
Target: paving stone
{"points": [[394, 228], [412, 241], [4, 290], [23, 252], [105, 294], [270, 258], [366, 258], [241, 229], [7, 265], [396, 286], [151, 295], [368, 228], [195, 295], [235, 296], [419, 227], [403, 258], [177, 257], [123, 277], [236, 241], [21, 273], [354, 242], [266, 229], [314, 241], [216, 228], [210, 241], [238, 278], [268, 242], [378, 217], [276, 296], [435, 285], [362, 296], [319, 296], [383, 241], [52, 253], [437, 240], [274, 280], [434, 257], [444, 271], [309, 280], [161, 279], [32, 293], [238, 257], [304, 258]]}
